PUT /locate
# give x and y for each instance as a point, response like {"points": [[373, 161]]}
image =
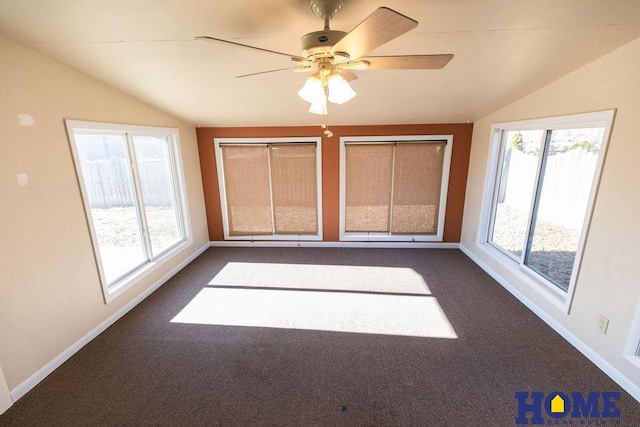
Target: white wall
{"points": [[609, 279], [50, 294]]}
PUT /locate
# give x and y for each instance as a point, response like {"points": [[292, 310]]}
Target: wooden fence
{"points": [[109, 184], [567, 184]]}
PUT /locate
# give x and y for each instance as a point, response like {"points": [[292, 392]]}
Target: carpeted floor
{"points": [[291, 346]]}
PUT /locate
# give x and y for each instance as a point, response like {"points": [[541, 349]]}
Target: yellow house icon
{"points": [[557, 404]]}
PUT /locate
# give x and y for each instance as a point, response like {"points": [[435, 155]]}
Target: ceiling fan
{"points": [[329, 56]]}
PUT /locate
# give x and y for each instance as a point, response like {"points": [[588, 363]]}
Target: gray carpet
{"points": [[148, 370]]}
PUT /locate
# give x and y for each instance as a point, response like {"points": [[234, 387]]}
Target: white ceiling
{"points": [[503, 50]]}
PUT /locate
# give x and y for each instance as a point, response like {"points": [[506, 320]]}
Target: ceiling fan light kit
{"points": [[328, 56], [325, 85]]}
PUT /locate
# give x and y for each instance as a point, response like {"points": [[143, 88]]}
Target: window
{"points": [[543, 182], [394, 188], [133, 195], [270, 189]]}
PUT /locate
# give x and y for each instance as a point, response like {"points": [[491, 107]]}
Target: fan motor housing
{"points": [[320, 42]]}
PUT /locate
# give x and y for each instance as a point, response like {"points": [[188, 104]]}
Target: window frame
{"points": [[397, 139], [632, 346], [135, 275], [267, 141], [514, 264]]}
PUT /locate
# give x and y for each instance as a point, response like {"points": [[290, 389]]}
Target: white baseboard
{"points": [[311, 244], [42, 373], [632, 388], [5, 397]]}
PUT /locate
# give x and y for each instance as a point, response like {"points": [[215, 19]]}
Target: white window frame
{"points": [[632, 346], [399, 139], [218, 142], [112, 290], [534, 280]]}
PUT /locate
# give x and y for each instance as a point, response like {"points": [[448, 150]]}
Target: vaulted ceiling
{"points": [[503, 50]]}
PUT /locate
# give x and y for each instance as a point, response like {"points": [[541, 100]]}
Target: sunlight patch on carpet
{"points": [[326, 277], [370, 300]]}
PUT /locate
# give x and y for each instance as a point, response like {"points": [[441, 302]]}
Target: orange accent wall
{"points": [[331, 168]]}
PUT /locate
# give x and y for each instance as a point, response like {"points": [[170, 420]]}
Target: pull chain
{"points": [[324, 125]]}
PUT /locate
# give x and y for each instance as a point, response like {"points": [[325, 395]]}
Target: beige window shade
{"points": [[246, 181], [270, 189], [417, 182], [393, 187], [369, 173], [293, 186]]}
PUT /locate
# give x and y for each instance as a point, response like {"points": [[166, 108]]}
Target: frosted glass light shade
{"points": [[312, 91], [319, 106], [339, 89]]}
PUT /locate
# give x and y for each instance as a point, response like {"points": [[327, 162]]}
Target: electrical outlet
{"points": [[603, 324]]}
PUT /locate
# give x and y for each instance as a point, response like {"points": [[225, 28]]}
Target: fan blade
{"points": [[213, 39], [348, 75], [265, 72], [408, 62], [382, 26]]}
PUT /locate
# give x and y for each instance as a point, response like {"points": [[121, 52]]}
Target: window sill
{"points": [[383, 237], [278, 237], [547, 290], [138, 275]]}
